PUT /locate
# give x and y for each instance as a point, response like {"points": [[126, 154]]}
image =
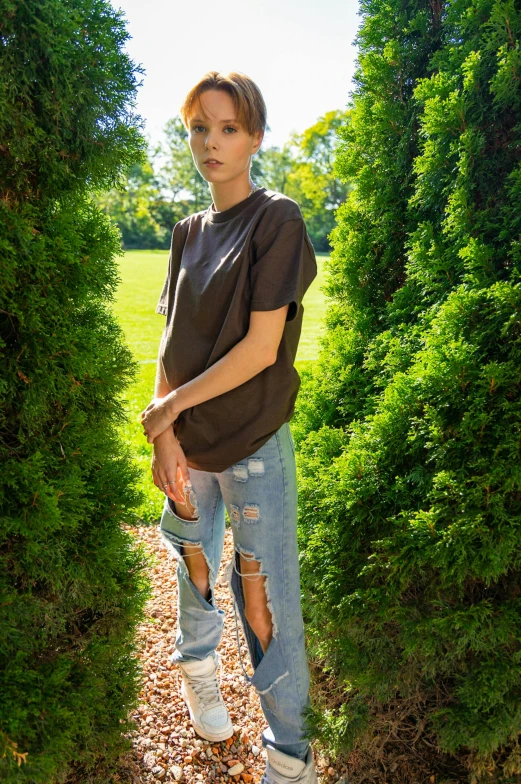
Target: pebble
{"points": [[238, 768], [149, 759]]}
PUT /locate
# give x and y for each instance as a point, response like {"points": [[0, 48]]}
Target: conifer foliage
{"points": [[72, 584], [410, 427]]}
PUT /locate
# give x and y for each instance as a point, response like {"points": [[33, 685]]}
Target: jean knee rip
{"points": [[190, 500], [272, 667], [175, 543], [234, 566], [254, 467]]}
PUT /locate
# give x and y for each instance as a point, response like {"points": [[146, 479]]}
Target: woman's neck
{"points": [[225, 205]]}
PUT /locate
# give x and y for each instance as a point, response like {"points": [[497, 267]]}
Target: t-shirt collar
{"points": [[225, 215]]}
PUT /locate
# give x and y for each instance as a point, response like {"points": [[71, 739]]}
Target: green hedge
{"points": [[72, 583], [409, 428]]}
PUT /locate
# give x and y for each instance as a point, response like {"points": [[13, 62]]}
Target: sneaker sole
{"points": [[207, 734]]}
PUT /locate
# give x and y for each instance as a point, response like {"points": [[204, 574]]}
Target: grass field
{"points": [[142, 276]]}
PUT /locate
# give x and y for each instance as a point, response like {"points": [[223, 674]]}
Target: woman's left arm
{"points": [[251, 355]]}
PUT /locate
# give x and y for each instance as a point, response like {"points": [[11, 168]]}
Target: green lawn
{"points": [[142, 276]]}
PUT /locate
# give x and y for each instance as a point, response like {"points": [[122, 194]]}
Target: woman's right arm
{"points": [[168, 459]]}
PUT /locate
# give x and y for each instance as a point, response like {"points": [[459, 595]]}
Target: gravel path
{"points": [[165, 746]]}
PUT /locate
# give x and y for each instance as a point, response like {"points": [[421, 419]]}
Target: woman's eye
{"points": [[227, 127]]}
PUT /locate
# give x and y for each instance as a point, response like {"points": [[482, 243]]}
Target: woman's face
{"points": [[220, 137]]}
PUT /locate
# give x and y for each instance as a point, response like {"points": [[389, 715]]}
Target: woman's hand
{"points": [[158, 416], [169, 467]]}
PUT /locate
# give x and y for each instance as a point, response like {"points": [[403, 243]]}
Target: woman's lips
{"points": [[212, 165]]}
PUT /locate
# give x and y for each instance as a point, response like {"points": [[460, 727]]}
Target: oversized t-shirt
{"points": [[255, 255]]}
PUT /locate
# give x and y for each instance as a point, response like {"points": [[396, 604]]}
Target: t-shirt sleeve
{"points": [[283, 268], [171, 273], [162, 305]]}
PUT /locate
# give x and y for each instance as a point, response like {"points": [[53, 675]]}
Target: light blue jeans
{"points": [[260, 494]]}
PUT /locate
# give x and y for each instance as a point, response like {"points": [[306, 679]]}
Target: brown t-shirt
{"points": [[255, 255]]}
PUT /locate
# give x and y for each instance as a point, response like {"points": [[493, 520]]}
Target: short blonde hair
{"points": [[247, 98]]}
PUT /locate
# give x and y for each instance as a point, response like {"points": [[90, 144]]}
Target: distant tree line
{"points": [[166, 186]]}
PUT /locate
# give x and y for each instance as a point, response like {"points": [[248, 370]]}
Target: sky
{"points": [[300, 53]]}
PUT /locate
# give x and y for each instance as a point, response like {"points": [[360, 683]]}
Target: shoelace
{"points": [[207, 691]]}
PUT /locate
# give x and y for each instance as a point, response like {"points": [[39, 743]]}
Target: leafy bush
{"points": [[72, 585], [409, 430]]}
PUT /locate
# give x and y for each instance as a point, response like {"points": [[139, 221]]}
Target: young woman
{"points": [[225, 392]]}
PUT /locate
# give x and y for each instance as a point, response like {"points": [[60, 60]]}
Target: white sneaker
{"points": [[282, 768], [200, 690]]}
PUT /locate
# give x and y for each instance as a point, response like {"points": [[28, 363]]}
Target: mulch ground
{"points": [[164, 746]]}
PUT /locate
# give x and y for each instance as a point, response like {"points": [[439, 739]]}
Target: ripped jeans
{"points": [[260, 494]]}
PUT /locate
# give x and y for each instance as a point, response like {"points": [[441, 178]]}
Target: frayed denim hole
{"points": [[235, 515], [182, 520], [240, 472], [256, 466]]}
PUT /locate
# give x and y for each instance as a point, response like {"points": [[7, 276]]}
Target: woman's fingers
{"points": [[147, 409], [169, 485], [156, 479], [183, 468], [171, 474], [175, 492], [160, 479], [159, 475]]}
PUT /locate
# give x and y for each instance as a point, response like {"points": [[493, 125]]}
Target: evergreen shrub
{"points": [[72, 581], [409, 428]]}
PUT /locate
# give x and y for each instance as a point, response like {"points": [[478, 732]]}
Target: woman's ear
{"points": [[259, 136]]}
